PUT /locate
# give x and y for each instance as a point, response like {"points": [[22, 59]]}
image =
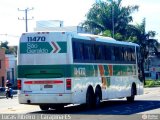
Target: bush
{"points": [[150, 83]]}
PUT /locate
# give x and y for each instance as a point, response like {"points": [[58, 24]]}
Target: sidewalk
{"points": [[151, 89]]}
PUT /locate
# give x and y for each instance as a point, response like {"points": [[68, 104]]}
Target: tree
{"points": [[4, 45], [109, 15], [8, 49]]}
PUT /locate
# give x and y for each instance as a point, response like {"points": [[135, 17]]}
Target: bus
{"points": [[56, 69]]}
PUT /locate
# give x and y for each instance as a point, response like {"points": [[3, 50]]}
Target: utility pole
{"points": [[26, 17], [112, 3], [112, 20]]}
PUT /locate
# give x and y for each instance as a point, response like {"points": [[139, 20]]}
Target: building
{"points": [[11, 67], [2, 68], [57, 25], [49, 23], [152, 67]]}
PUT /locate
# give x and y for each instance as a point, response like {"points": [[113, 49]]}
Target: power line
{"points": [[9, 35], [26, 17]]}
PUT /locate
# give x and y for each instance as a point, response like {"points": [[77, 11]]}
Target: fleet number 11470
{"points": [[36, 39]]}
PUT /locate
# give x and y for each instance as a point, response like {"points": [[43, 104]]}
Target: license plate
{"points": [[48, 86]]}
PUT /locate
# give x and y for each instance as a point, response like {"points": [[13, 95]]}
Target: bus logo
{"points": [[79, 71], [43, 47]]}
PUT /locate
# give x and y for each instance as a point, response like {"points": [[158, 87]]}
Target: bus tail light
{"points": [[68, 84], [19, 84]]}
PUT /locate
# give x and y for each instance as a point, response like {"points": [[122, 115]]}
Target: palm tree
{"points": [[148, 46], [106, 15]]}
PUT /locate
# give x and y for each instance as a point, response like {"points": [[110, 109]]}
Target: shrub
{"points": [[152, 83]]}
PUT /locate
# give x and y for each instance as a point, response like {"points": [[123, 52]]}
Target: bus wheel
{"points": [[44, 107], [90, 98], [98, 98], [133, 93]]}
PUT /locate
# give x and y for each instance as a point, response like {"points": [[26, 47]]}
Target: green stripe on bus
{"points": [[63, 47], [59, 71]]}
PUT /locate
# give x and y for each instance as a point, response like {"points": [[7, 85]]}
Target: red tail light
{"points": [[68, 84], [19, 84]]}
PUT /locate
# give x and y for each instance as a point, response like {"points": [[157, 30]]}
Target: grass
{"points": [[152, 83]]}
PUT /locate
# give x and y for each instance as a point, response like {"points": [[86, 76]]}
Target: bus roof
{"points": [[106, 39], [88, 37]]}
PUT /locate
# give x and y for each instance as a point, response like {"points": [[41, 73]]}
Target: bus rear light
{"points": [[68, 84], [19, 84]]}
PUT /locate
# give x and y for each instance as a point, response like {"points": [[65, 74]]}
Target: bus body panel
{"points": [[40, 55], [49, 74]]}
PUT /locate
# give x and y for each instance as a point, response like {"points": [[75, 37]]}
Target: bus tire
{"points": [[133, 93], [98, 97], [44, 107], [90, 98]]}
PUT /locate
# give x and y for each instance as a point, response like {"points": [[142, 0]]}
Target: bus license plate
{"points": [[48, 86]]}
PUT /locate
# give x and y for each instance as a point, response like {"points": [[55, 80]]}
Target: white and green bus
{"points": [[60, 68]]}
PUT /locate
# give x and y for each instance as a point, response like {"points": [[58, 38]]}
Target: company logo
{"points": [[43, 47], [80, 71]]}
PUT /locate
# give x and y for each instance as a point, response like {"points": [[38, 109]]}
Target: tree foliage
{"points": [[103, 15], [8, 49]]}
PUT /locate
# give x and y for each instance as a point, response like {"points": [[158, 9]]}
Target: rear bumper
{"points": [[44, 98]]}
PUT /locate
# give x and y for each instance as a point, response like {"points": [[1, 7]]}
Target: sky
{"points": [[72, 12]]}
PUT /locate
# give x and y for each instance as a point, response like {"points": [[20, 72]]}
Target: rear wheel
{"points": [[133, 93], [98, 98], [131, 98], [44, 107], [90, 98]]}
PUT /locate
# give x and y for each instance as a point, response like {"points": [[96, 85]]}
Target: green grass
{"points": [[152, 83]]}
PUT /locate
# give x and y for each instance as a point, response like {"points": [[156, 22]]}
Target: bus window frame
{"points": [[112, 46]]}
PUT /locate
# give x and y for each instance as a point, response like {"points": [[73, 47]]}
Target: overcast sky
{"points": [[72, 12]]}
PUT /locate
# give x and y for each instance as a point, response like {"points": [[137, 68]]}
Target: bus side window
{"points": [[78, 51], [133, 54], [92, 52], [99, 51], [125, 54], [81, 51], [112, 53], [75, 56], [89, 52], [108, 53], [122, 53], [129, 54], [118, 53]]}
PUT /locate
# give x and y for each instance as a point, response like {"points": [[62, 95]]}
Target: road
{"points": [[148, 103]]}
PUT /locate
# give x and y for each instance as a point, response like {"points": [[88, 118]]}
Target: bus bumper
{"points": [[44, 98]]}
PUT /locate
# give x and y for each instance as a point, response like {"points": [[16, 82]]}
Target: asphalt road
{"points": [[148, 103]]}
